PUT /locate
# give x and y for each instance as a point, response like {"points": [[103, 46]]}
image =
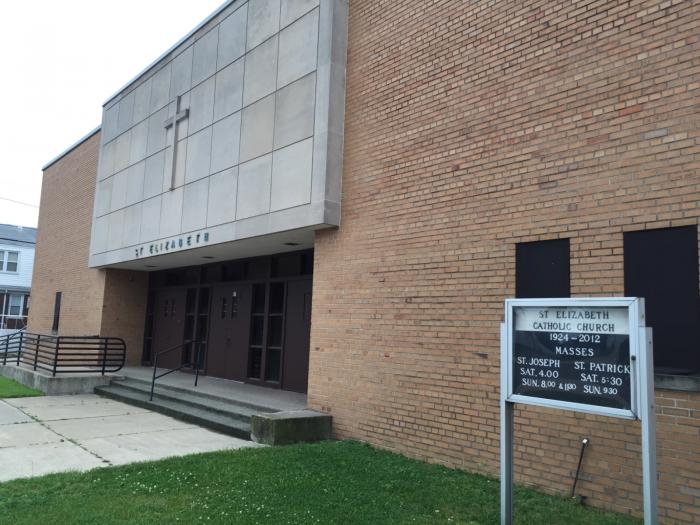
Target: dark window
{"points": [[56, 312], [148, 330], [542, 269], [274, 331], [257, 268], [277, 298], [202, 324], [286, 265], [662, 267], [25, 310], [192, 275], [257, 331], [273, 361], [292, 265], [190, 301], [258, 298], [233, 271], [190, 318], [307, 263], [175, 278]]}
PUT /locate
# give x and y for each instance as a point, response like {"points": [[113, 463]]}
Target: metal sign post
{"points": [[506, 437], [588, 355], [647, 413]]}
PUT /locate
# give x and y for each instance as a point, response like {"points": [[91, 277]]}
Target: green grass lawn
{"points": [[10, 388], [329, 483]]}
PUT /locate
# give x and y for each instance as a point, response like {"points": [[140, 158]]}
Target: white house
{"points": [[16, 264]]}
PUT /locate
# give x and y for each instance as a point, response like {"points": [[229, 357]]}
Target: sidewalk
{"points": [[42, 435]]}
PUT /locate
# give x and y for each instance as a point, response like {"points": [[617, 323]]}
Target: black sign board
{"points": [[573, 354], [587, 354]]}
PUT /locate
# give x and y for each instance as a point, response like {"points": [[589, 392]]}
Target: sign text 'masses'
{"points": [[574, 354]]}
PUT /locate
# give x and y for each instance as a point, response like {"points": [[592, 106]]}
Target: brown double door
{"points": [[260, 333], [169, 326], [229, 332]]}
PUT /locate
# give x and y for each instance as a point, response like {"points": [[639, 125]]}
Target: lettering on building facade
{"points": [[181, 242]]}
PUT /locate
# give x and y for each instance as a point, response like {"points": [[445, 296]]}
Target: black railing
{"points": [[64, 354], [196, 365], [11, 343]]}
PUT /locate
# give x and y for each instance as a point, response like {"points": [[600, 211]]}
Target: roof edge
{"points": [[71, 148], [13, 242]]}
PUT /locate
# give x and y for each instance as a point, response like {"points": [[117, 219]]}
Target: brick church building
{"points": [[336, 198]]}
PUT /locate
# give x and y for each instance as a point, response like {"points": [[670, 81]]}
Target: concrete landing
{"points": [[62, 384], [221, 389], [43, 435]]}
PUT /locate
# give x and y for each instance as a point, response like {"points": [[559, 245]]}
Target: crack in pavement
{"points": [[66, 438]]}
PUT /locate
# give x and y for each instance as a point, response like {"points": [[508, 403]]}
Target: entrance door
{"points": [[297, 336], [279, 335], [229, 332], [169, 326]]}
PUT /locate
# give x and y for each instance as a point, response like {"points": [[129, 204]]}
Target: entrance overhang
{"points": [[159, 258]]}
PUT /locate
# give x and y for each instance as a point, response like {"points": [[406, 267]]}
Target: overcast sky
{"points": [[61, 61]]}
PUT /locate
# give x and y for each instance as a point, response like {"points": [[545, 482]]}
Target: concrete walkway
{"points": [[42, 435]]}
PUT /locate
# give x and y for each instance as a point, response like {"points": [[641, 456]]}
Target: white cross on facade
{"points": [[180, 115]]}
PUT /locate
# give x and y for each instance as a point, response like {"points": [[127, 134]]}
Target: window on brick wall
{"points": [[662, 267], [542, 269], [56, 312]]}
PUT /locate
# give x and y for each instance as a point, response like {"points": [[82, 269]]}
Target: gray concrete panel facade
{"points": [[235, 133]]}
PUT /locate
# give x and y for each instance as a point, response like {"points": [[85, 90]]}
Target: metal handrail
{"points": [[197, 364], [16, 333], [66, 354], [8, 338]]}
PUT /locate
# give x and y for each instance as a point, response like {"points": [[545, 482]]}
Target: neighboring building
{"points": [[486, 150], [16, 264]]}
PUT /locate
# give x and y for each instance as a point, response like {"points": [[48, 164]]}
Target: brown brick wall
{"points": [[105, 302], [471, 126], [62, 246], [124, 310]]}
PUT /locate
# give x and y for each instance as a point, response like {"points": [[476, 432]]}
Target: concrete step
{"points": [[226, 424], [221, 406], [165, 389]]}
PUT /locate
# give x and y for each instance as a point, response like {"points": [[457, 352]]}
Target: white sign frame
{"points": [[641, 394], [635, 319]]}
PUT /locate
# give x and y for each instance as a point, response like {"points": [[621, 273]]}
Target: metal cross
{"points": [[173, 122]]}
